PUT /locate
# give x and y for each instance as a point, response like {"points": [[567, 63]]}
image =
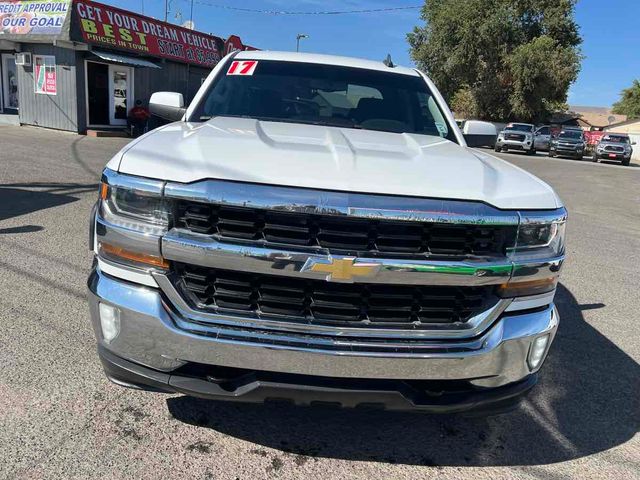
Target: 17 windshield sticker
{"points": [[246, 67]]}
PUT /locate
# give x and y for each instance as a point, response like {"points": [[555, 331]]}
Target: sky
{"points": [[610, 31]]}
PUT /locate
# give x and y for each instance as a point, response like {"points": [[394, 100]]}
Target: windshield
{"points": [[615, 139], [574, 134], [520, 127], [325, 95]]}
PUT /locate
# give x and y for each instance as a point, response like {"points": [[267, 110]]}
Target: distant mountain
{"points": [[597, 116]]}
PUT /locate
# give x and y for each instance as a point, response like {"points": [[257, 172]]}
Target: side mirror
{"points": [[167, 105], [478, 134], [633, 143]]}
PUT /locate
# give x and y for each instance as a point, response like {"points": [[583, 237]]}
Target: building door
{"points": [[109, 93], [98, 93], [9, 82], [121, 93]]}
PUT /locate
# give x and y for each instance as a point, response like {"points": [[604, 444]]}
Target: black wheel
{"points": [[626, 162], [531, 152], [552, 154], [497, 148], [595, 158]]}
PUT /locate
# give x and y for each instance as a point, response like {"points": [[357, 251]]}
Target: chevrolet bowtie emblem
{"points": [[341, 269]]}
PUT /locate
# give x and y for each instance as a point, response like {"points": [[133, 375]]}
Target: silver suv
{"points": [[516, 136], [614, 147]]}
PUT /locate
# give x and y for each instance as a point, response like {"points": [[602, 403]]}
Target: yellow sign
{"points": [[342, 269]]}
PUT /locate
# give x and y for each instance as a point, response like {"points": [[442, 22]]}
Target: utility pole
{"points": [[191, 16], [166, 10], [298, 38]]}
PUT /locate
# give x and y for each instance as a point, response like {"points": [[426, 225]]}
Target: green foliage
{"points": [[516, 58], [629, 103], [464, 104]]}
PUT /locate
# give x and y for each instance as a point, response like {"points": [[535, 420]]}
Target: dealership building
{"points": [[76, 65]]}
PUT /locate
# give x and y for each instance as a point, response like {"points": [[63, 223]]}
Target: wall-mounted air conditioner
{"points": [[23, 59]]}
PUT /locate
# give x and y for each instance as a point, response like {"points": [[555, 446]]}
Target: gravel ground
{"points": [[60, 418]]}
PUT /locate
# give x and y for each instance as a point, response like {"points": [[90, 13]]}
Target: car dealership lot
{"points": [[60, 418]]}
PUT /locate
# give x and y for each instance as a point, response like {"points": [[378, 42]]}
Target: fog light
{"points": [[538, 348], [110, 322]]}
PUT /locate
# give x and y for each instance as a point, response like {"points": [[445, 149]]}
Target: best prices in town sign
{"points": [[115, 28], [32, 17]]}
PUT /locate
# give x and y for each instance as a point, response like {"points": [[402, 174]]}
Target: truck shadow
{"points": [[23, 198], [586, 402]]}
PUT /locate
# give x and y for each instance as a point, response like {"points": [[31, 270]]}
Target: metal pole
{"points": [[191, 16], [166, 9], [298, 37]]}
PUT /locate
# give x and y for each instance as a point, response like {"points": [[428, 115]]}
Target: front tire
{"points": [[497, 148], [551, 154], [595, 158], [531, 152], [626, 162]]}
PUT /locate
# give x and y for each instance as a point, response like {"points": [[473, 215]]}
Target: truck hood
{"points": [[614, 144], [331, 158]]}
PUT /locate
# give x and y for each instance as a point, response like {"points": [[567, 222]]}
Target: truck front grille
{"points": [[324, 303], [612, 148], [342, 234], [515, 136]]}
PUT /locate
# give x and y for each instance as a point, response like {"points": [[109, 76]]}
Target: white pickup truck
{"points": [[317, 229]]}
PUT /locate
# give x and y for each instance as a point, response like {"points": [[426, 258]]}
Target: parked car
{"points": [[485, 138], [541, 138], [568, 143], [261, 248], [516, 136], [614, 146]]}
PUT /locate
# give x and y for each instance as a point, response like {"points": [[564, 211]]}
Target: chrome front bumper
{"points": [[518, 144], [153, 335]]}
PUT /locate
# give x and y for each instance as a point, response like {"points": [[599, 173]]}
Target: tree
{"points": [[629, 103], [515, 58], [463, 103]]}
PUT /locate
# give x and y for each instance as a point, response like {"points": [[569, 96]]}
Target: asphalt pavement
{"points": [[61, 418]]}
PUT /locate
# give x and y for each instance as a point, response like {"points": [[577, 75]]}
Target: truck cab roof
{"points": [[324, 60]]}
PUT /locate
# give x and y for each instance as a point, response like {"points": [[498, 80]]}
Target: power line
{"points": [[294, 12]]}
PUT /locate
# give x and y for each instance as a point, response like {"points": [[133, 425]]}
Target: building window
{"points": [[44, 74]]}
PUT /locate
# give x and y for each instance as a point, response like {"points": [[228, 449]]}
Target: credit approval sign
{"points": [[112, 27], [33, 17]]}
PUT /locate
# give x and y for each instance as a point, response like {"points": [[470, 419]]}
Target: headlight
{"points": [[538, 254], [541, 235], [134, 203], [133, 215], [580, 145]]}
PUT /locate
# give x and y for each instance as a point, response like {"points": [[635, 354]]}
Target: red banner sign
{"points": [[594, 137], [121, 30]]}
